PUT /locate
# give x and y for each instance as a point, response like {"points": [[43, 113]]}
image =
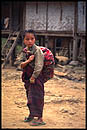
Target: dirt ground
{"points": [[64, 105]]}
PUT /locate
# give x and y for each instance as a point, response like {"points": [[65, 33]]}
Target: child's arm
{"points": [[39, 62], [23, 64]]}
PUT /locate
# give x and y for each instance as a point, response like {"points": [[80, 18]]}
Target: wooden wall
{"points": [[51, 16], [81, 16]]}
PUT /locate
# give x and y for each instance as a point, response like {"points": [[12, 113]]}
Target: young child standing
{"points": [[34, 76]]}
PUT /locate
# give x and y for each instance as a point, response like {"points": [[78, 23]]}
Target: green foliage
{"points": [[3, 41], [18, 49]]}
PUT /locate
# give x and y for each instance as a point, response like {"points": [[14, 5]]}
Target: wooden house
{"points": [[58, 25]]}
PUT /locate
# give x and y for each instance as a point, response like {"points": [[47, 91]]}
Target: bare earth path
{"points": [[64, 102]]}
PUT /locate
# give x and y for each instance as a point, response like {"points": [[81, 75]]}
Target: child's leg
{"points": [[28, 103]]}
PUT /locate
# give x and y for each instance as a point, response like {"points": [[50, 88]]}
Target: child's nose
{"points": [[30, 40]]}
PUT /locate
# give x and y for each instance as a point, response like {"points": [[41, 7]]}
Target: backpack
{"points": [[48, 56], [48, 68]]}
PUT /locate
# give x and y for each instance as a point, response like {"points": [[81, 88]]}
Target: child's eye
{"points": [[27, 39]]}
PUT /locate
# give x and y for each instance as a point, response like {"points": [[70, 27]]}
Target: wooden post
{"points": [[75, 38], [10, 24], [54, 47], [41, 41], [12, 57], [70, 49], [44, 41], [75, 32], [75, 49]]}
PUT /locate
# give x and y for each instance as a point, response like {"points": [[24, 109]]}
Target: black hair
{"points": [[29, 31]]}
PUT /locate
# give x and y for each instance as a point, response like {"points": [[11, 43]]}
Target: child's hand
{"points": [[28, 52], [31, 58], [32, 80]]}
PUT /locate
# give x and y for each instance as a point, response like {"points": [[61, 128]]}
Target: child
{"points": [[34, 76]]}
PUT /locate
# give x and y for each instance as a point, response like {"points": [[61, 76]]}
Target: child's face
{"points": [[29, 39]]}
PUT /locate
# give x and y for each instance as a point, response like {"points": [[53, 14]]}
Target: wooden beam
{"points": [[75, 32], [54, 34]]}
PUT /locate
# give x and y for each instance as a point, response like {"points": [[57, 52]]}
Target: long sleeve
{"points": [[39, 62]]}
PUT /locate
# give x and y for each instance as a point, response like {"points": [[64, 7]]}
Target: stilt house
{"points": [[60, 26]]}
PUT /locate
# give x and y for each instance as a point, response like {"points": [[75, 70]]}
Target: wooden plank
{"points": [[13, 38], [55, 34]]}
